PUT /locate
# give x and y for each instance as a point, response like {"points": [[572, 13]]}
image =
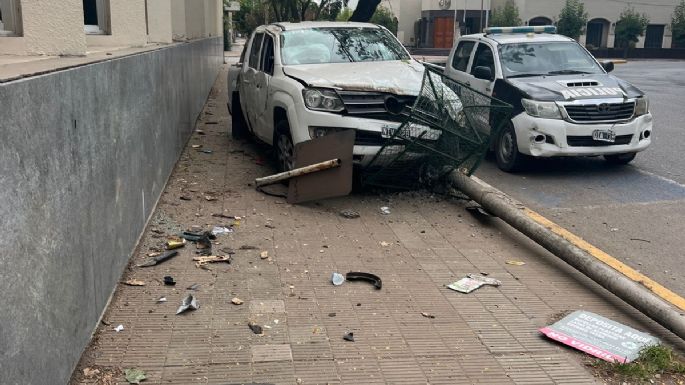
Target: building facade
{"points": [[74, 27], [436, 23]]}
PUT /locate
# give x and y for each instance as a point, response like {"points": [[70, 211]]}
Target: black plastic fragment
{"points": [[256, 329], [359, 276], [169, 280], [349, 337], [159, 259], [479, 211]]}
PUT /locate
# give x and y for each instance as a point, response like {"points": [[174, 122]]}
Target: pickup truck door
{"points": [[248, 79], [483, 57], [264, 127], [459, 60]]}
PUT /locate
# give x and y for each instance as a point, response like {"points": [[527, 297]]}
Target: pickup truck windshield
{"points": [[553, 58], [339, 45]]}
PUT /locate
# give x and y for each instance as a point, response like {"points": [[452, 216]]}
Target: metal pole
{"points": [[515, 214], [481, 16], [272, 179]]}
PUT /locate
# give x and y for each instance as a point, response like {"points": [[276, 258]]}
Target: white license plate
{"points": [[388, 131], [604, 135]]}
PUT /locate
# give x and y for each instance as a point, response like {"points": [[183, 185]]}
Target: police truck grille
{"points": [[372, 105], [603, 112]]}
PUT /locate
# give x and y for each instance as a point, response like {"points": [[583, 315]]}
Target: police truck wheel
{"points": [[507, 154], [620, 158], [238, 124], [285, 150]]}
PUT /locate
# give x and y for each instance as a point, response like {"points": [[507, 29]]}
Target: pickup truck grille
{"points": [[603, 112], [587, 141], [371, 105]]}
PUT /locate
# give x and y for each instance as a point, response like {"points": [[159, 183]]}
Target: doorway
{"points": [[443, 32]]}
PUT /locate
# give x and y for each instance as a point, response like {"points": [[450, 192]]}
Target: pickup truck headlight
{"points": [[322, 100], [641, 106], [545, 110]]}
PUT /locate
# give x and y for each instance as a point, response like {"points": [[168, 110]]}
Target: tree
{"points": [[506, 16], [344, 15], [629, 27], [385, 17], [572, 19], [678, 25], [365, 10]]}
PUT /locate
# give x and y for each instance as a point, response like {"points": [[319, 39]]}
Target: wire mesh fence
{"points": [[450, 127]]}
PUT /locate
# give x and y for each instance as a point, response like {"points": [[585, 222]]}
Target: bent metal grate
{"points": [[450, 126]]}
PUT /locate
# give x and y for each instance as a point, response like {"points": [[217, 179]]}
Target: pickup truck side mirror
{"points": [[608, 65], [482, 72]]}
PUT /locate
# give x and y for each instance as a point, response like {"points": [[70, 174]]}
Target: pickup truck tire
{"points": [[238, 124], [507, 154], [620, 158], [285, 150]]}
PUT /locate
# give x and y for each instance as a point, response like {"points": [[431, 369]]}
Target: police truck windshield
{"points": [[339, 45], [552, 58]]}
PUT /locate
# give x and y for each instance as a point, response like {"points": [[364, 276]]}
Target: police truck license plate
{"points": [[604, 135]]}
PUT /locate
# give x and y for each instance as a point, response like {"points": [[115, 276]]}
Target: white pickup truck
{"points": [[299, 81]]}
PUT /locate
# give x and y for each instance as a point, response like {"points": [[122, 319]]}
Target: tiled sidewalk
{"points": [[486, 337]]}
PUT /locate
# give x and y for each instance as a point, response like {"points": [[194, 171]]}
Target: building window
{"points": [[96, 16], [654, 37], [10, 18]]}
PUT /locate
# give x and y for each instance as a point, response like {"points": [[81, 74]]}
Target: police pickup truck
{"points": [[564, 101]]}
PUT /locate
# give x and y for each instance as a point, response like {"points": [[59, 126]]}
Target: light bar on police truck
{"points": [[530, 29]]}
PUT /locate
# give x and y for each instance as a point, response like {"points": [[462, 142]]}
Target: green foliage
{"points": [[345, 14], [386, 18], [629, 27], [572, 19], [678, 25], [506, 16], [254, 13], [657, 359]]}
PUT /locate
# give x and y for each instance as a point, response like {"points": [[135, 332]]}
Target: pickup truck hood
{"points": [[574, 87], [401, 77]]}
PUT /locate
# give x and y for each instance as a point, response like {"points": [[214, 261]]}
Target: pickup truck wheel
{"points": [[507, 154], [238, 124], [620, 158], [285, 150]]}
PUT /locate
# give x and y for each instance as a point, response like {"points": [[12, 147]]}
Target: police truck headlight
{"points": [[545, 110], [322, 100], [641, 106]]}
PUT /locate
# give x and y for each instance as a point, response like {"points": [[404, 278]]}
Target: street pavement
{"points": [[486, 337], [634, 212]]}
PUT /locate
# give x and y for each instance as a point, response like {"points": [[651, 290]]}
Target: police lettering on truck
{"points": [[565, 102]]}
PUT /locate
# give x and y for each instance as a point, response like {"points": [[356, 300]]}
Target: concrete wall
{"points": [[84, 155], [159, 21], [127, 25]]}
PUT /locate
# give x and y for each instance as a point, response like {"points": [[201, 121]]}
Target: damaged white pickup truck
{"points": [[299, 81]]}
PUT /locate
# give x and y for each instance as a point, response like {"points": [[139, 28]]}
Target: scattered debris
{"points": [[197, 146], [384, 244], [248, 247], [332, 314], [337, 279], [472, 282], [478, 211], [359, 276], [134, 282], [349, 214], [90, 372], [210, 198], [256, 329], [220, 230], [175, 244], [193, 287], [206, 151], [161, 300], [640, 239], [218, 215], [202, 240], [134, 376], [427, 315], [515, 263], [205, 260], [264, 255], [106, 323], [189, 303], [385, 210], [237, 301], [349, 337], [200, 132], [185, 198], [599, 336], [269, 226], [119, 328], [159, 258], [169, 280]]}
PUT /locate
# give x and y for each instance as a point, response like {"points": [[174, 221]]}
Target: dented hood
{"points": [[575, 87], [401, 77]]}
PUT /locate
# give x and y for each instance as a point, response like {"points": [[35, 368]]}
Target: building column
{"points": [[159, 27], [50, 27]]}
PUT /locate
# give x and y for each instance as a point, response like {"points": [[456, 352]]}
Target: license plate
{"points": [[604, 135], [388, 131]]}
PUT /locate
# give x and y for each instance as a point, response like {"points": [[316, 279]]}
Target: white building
{"points": [[435, 23]]}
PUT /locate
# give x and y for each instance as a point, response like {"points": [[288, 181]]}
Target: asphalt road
{"points": [[636, 213]]}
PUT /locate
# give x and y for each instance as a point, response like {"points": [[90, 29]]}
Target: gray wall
{"points": [[84, 155]]}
